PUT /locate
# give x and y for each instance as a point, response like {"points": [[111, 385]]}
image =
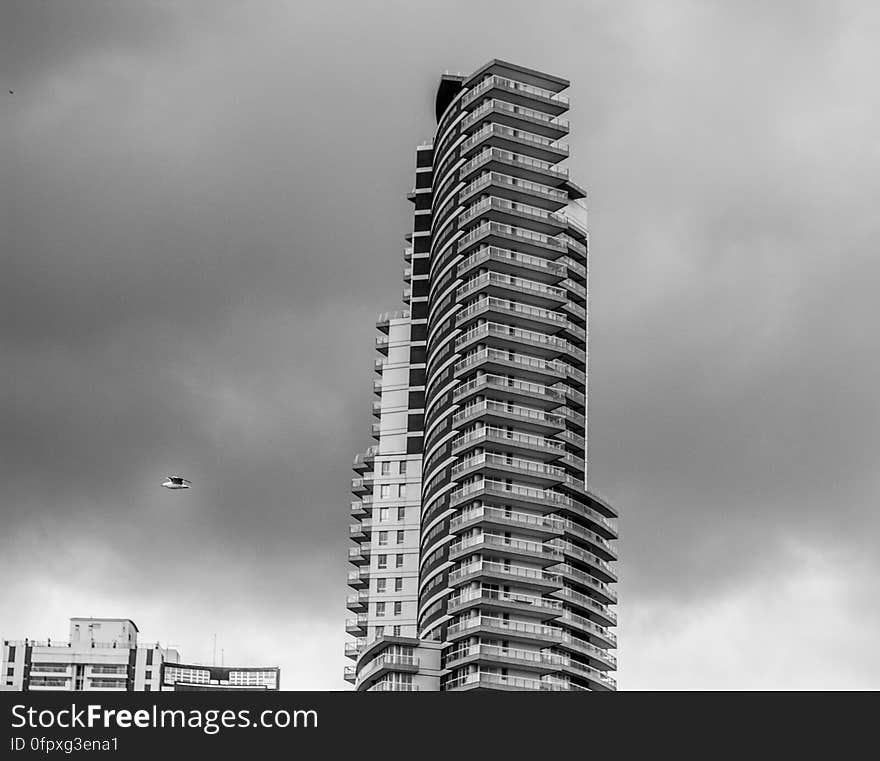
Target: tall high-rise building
{"points": [[483, 561]]}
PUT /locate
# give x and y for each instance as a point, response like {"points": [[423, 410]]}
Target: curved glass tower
{"points": [[510, 553]]}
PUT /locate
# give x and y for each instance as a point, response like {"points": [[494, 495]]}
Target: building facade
{"points": [[187, 677], [478, 479], [103, 654]]}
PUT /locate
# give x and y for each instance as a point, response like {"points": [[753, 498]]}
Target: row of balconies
{"points": [[548, 99], [545, 607], [491, 464], [510, 441], [525, 416], [524, 313], [540, 394], [545, 554], [504, 627], [511, 338], [528, 496], [515, 189], [529, 168], [500, 282], [533, 578], [505, 518], [501, 360], [514, 212], [503, 136], [505, 260], [503, 112]]}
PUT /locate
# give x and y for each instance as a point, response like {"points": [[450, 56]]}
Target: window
{"points": [[380, 609], [398, 584], [400, 561], [385, 491], [380, 631], [386, 468], [149, 657], [147, 688], [10, 672], [383, 561], [403, 467], [383, 538], [395, 630], [383, 514], [401, 513], [398, 608], [148, 675], [401, 490], [380, 585], [400, 537]]}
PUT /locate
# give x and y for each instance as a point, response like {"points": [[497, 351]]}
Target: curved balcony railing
{"points": [[526, 520], [486, 253], [509, 281]]}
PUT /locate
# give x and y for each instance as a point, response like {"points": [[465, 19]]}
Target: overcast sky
{"points": [[203, 213]]}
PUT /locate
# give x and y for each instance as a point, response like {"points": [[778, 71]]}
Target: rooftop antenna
{"points": [[222, 659], [214, 658]]}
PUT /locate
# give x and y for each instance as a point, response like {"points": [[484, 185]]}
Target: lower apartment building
{"points": [[103, 654]]}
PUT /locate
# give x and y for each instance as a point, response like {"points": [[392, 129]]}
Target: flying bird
{"points": [[176, 482]]}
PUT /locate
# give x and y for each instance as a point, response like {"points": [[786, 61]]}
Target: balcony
{"points": [[348, 674], [503, 466], [362, 484], [359, 579], [540, 346], [535, 394], [359, 555], [596, 588], [488, 681], [583, 647], [356, 625], [382, 344], [494, 655], [388, 662], [501, 546], [357, 603], [522, 576], [600, 679], [517, 92], [526, 316], [584, 625], [491, 360], [514, 213], [503, 112], [593, 608], [384, 321], [507, 162], [495, 600], [509, 442], [501, 518], [598, 567], [501, 413], [514, 262], [393, 687], [353, 649], [502, 627], [515, 189], [499, 284], [510, 138]]}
